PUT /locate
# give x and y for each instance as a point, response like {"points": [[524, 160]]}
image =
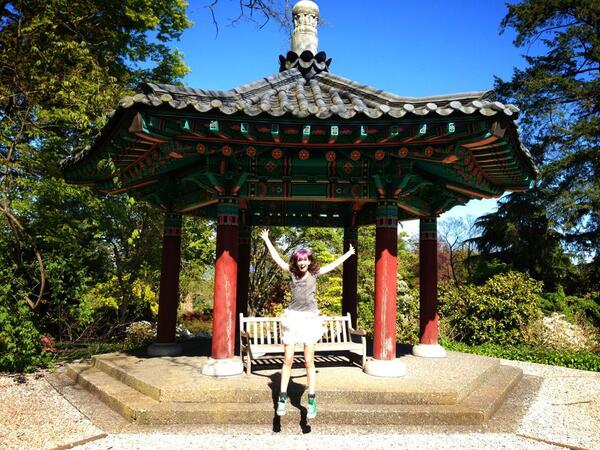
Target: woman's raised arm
{"points": [[264, 234], [333, 265]]}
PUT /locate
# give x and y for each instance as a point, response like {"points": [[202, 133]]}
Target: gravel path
{"points": [[33, 415], [563, 413], [321, 441]]}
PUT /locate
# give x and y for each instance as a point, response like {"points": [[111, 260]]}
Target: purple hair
{"points": [[313, 267]]}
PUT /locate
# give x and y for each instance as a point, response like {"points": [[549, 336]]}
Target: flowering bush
{"points": [[557, 333], [48, 344], [140, 333]]}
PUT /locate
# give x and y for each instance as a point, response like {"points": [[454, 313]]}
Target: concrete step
{"points": [[476, 408], [490, 395], [180, 380]]}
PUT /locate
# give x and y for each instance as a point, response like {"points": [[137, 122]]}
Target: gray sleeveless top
{"points": [[303, 293]]}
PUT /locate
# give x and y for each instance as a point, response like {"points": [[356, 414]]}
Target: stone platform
{"points": [[461, 389]]}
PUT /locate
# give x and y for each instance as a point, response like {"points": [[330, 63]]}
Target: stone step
{"points": [[181, 381], [476, 408]]}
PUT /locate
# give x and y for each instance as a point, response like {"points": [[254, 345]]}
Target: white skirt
{"points": [[301, 327]]}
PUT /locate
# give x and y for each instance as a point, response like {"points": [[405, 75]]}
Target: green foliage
{"points": [[519, 236], [484, 269], [496, 312], [196, 280], [20, 340], [573, 360], [197, 323], [558, 94], [140, 334], [63, 67], [572, 307], [103, 302]]}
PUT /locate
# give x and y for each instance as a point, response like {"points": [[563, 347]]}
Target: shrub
{"points": [[142, 333], [498, 311], [139, 334], [557, 333], [573, 308], [21, 345], [407, 314]]}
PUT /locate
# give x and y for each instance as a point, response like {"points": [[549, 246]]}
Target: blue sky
{"points": [[408, 47]]}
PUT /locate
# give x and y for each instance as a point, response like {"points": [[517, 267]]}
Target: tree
{"points": [[519, 235], [259, 11], [455, 235], [63, 67], [558, 94]]}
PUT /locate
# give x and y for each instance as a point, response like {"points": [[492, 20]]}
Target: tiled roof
{"points": [[325, 95]]}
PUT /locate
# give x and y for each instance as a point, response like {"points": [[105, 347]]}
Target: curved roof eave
{"points": [[324, 96]]}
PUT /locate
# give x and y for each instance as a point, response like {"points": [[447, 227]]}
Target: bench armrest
{"points": [[244, 336], [357, 332]]}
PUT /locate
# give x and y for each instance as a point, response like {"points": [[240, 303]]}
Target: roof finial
{"points": [[306, 18], [303, 55]]}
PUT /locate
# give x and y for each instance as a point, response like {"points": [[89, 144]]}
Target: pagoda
{"points": [[304, 147]]}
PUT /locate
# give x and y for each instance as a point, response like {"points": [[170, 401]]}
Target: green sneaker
{"points": [[312, 408], [281, 405]]}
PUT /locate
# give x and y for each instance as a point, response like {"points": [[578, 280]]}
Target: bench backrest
{"points": [[262, 330], [267, 330]]}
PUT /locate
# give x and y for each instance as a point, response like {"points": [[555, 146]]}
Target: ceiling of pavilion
{"points": [[305, 147]]}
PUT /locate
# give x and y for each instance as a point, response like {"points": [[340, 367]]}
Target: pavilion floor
{"points": [[461, 389]]}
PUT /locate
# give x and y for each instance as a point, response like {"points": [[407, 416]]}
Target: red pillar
{"points": [[223, 340], [350, 275], [428, 281], [386, 268], [169, 279]]}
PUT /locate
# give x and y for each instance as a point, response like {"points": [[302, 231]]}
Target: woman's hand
{"points": [[351, 250], [264, 234]]}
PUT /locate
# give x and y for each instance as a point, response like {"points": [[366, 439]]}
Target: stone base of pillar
{"points": [[223, 367], [164, 349], [429, 351], [385, 367]]}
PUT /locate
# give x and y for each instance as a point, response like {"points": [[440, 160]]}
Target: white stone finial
{"points": [[306, 17]]}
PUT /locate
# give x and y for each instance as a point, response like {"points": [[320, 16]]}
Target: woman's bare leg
{"points": [[309, 363], [286, 369]]}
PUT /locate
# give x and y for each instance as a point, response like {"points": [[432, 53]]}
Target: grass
{"points": [[68, 351], [582, 360]]}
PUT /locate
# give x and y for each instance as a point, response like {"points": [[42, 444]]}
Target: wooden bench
{"points": [[261, 336]]}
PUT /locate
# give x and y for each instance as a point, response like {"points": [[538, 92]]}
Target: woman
{"points": [[301, 323]]}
